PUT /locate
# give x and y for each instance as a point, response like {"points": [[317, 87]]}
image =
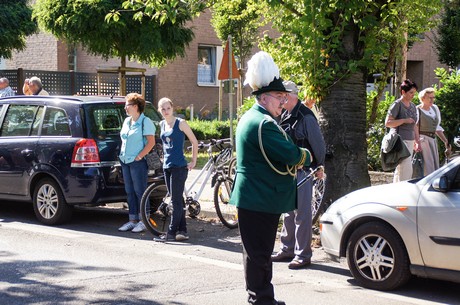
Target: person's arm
{"points": [[191, 137], [440, 132], [315, 138], [417, 146], [391, 122]]}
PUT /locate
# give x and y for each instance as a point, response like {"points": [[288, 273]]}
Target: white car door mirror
{"points": [[441, 184]]}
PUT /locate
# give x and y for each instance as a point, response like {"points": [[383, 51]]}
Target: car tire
{"points": [[377, 257], [49, 204]]}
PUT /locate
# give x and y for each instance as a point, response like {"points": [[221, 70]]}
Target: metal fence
{"points": [[79, 83]]}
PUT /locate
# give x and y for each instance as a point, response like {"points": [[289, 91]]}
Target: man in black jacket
{"points": [[300, 123]]}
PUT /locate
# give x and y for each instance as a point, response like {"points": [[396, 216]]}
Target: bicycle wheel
{"points": [[226, 212], [317, 198], [155, 210], [231, 171]]}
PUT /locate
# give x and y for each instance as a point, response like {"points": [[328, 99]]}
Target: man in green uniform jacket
{"points": [[265, 183]]}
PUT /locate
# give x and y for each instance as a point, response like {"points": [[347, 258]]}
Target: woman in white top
{"points": [[429, 125]]}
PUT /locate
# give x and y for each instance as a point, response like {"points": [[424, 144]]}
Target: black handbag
{"points": [[417, 160], [153, 159], [417, 165]]}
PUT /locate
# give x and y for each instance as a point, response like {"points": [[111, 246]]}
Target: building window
{"points": [[72, 58], [209, 58]]}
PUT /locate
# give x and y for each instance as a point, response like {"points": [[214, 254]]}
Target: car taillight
{"points": [[85, 153]]}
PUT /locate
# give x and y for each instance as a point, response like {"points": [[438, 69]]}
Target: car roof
{"points": [[69, 98]]}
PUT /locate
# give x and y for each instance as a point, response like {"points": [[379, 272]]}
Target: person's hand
{"points": [[417, 146], [191, 165], [409, 121], [319, 174], [448, 150]]}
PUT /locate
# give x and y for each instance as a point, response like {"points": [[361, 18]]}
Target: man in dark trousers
{"points": [[300, 123], [265, 182]]}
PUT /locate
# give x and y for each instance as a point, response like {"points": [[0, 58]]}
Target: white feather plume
{"points": [[261, 70]]}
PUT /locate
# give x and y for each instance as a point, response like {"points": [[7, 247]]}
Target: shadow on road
{"points": [[107, 220], [25, 287]]}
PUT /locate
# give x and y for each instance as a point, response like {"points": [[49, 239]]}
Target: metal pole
{"points": [[230, 91]]}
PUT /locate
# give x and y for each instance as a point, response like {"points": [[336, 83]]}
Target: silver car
{"points": [[390, 232]]}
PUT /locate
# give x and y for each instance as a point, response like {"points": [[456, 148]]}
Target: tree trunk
{"points": [[122, 76], [343, 123]]}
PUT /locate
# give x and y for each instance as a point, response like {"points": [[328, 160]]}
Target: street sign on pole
{"points": [[224, 72]]}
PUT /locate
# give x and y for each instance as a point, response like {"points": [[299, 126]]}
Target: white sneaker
{"points": [[127, 226], [140, 227]]}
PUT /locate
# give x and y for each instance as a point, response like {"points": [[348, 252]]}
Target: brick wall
{"points": [[41, 53], [178, 80], [422, 60]]}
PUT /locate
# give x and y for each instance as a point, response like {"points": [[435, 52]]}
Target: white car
{"points": [[390, 232]]}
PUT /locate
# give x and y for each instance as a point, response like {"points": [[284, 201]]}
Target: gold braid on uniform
{"points": [[291, 170]]}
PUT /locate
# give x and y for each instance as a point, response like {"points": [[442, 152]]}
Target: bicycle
{"points": [[156, 207]]}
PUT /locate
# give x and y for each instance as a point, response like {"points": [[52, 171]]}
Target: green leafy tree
{"points": [[242, 20], [447, 40], [329, 47], [448, 101], [15, 25], [109, 28]]}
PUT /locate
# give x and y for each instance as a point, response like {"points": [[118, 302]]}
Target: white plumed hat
{"points": [[263, 74]]}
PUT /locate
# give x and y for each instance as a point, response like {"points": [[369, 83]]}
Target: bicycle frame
{"points": [[209, 170]]}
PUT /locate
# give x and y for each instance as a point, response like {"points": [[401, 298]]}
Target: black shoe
{"points": [[164, 238], [282, 256], [297, 263]]}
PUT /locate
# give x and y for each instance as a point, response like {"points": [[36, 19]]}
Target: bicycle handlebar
{"points": [[212, 142], [309, 176]]}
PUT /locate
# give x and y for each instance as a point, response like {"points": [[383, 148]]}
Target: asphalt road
{"points": [[87, 261]]}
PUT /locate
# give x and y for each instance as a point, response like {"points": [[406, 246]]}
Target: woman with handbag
{"points": [[401, 117], [137, 140], [175, 167], [429, 120]]}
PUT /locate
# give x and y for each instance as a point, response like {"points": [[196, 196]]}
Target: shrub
{"points": [[247, 104], [206, 130]]}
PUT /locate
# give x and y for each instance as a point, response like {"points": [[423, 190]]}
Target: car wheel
{"points": [[377, 257], [49, 204]]}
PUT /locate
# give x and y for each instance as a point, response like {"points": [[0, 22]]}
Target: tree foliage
{"points": [[448, 101], [15, 24], [447, 39], [314, 49], [240, 18], [124, 32]]}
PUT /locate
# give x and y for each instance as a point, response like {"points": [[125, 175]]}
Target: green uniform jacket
{"points": [[257, 186]]}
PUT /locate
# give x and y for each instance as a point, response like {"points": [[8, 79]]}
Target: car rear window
{"points": [[106, 120]]}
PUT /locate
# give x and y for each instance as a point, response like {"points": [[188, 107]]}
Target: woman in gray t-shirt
{"points": [[402, 117]]}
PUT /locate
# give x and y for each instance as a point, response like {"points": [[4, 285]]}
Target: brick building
{"points": [[188, 80]]}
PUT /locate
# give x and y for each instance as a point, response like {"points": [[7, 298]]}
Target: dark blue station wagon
{"points": [[61, 151]]}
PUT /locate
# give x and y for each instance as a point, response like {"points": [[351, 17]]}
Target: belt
{"points": [[428, 134]]}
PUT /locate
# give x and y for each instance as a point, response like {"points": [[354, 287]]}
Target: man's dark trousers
{"points": [[258, 234]]}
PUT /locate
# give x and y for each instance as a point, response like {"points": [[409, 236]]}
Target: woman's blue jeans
{"points": [[175, 178], [135, 177]]}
